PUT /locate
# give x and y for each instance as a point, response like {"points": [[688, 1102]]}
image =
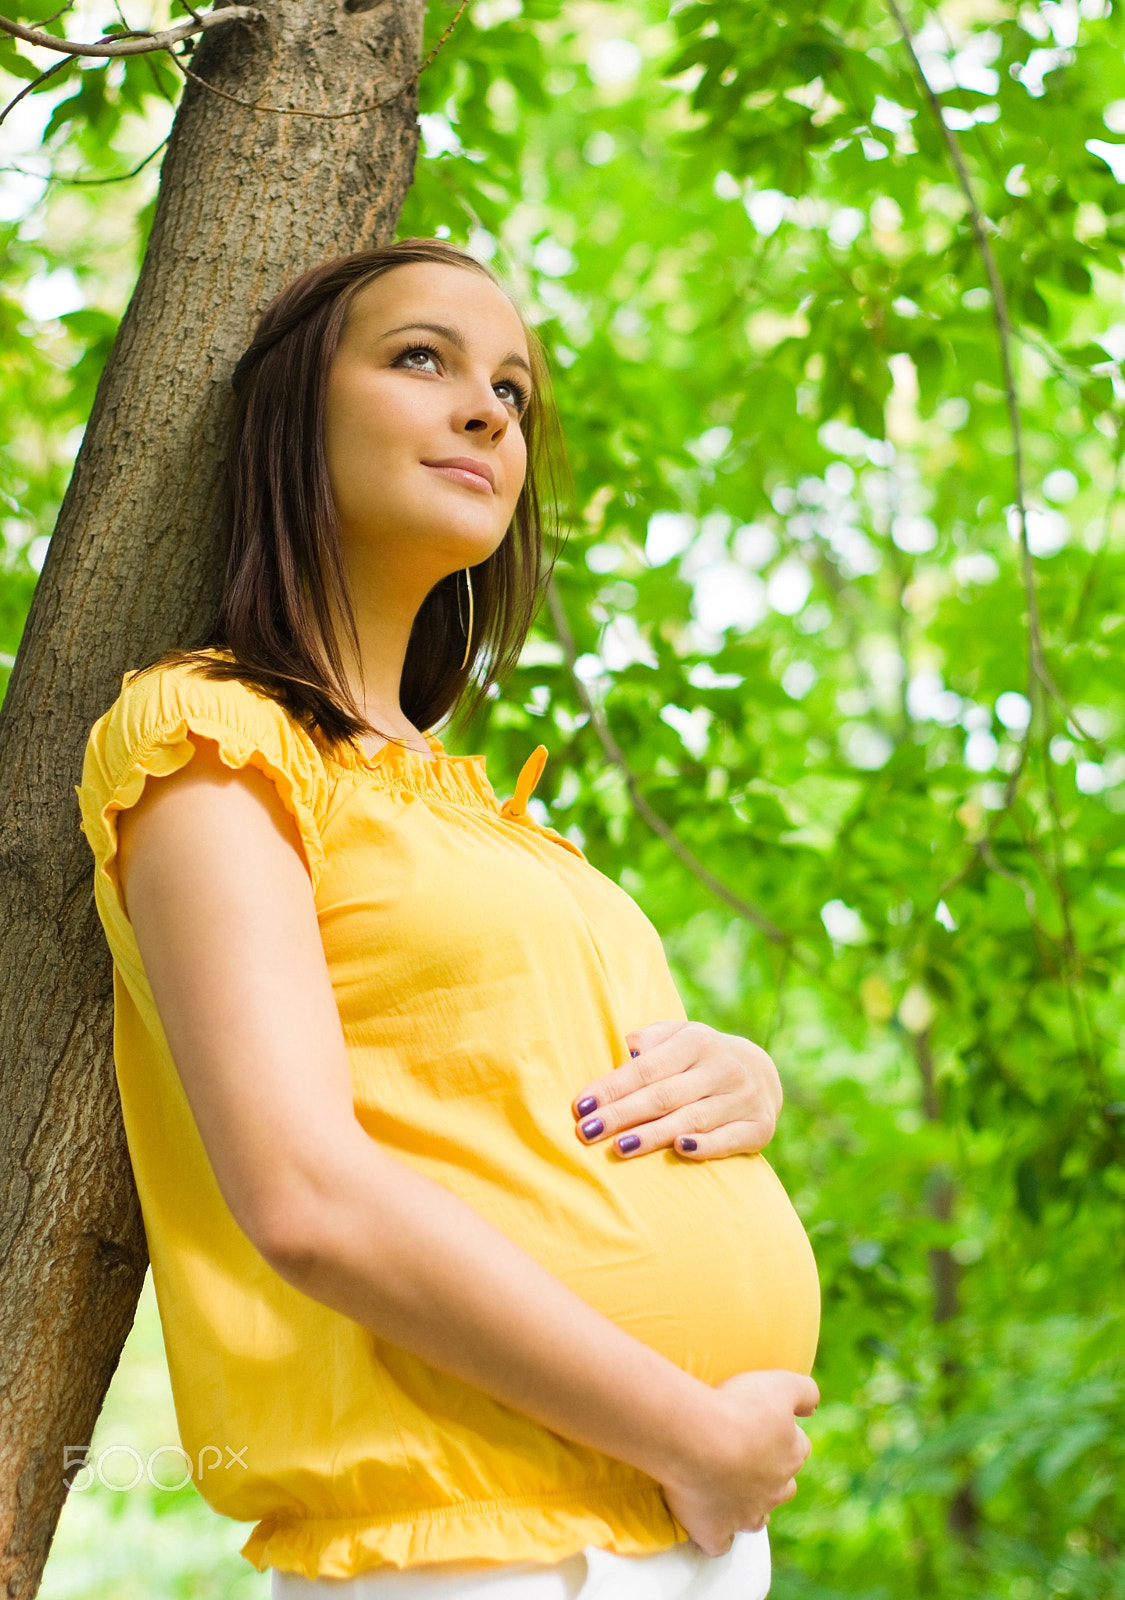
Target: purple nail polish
{"points": [[634, 1053], [630, 1142], [689, 1144], [591, 1129], [587, 1105]]}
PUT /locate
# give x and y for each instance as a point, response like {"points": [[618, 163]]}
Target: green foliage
{"points": [[71, 247], [797, 599]]}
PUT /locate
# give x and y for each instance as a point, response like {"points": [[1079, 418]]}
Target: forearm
{"points": [[408, 1259]]}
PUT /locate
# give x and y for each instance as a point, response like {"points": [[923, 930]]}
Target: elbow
{"points": [[304, 1219], [288, 1237], [292, 1208]]}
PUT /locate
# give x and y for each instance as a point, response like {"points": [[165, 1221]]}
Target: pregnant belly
{"points": [[705, 1262], [717, 1273]]}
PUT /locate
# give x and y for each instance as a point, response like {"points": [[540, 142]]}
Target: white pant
{"points": [[680, 1573]]}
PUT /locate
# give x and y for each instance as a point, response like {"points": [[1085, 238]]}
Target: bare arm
{"points": [[223, 911]]}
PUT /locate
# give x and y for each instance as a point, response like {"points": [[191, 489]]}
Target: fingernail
{"points": [[634, 1053], [689, 1144], [631, 1141], [587, 1105], [591, 1129]]}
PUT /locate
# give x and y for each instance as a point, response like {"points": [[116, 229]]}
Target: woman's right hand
{"points": [[748, 1454]]}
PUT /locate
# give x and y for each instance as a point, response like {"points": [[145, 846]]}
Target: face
{"points": [[426, 394]]}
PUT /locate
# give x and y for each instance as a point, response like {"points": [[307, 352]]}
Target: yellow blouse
{"points": [[484, 972]]}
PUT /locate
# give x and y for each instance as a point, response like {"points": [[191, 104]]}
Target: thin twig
{"points": [[56, 66], [1038, 675], [778, 1015], [117, 177], [452, 23], [643, 809], [160, 88], [55, 15], [1097, 558], [295, 111], [1076, 999], [992, 861], [1040, 681], [85, 183], [330, 116], [139, 44]]}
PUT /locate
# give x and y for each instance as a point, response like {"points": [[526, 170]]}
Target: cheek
{"points": [[516, 469], [349, 436], [359, 421], [368, 431], [366, 414]]}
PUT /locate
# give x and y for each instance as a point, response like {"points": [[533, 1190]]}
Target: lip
{"points": [[472, 473]]}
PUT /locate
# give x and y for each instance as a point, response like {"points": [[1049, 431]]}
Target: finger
{"points": [[676, 1095], [714, 1544], [650, 1066], [739, 1067], [645, 1066], [807, 1397], [732, 1139], [698, 1117], [653, 1033]]}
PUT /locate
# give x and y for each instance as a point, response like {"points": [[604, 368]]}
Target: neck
{"points": [[385, 603]]}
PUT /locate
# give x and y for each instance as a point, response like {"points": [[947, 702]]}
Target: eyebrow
{"points": [[455, 338]]}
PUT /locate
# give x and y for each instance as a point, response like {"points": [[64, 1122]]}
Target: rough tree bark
{"points": [[247, 199]]}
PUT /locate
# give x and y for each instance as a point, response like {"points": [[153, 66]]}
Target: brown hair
{"points": [[285, 573]]}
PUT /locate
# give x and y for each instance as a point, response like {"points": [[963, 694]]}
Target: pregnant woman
{"points": [[457, 1297]]}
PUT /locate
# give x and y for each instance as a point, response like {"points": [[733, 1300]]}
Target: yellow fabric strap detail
{"points": [[530, 775]]}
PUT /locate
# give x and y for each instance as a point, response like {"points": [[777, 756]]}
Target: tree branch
{"points": [[136, 44], [331, 116], [1040, 681], [116, 177], [398, 88], [647, 815], [1038, 674], [448, 29], [144, 43], [1097, 558], [56, 66]]}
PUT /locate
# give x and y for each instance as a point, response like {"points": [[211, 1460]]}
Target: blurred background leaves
{"points": [[793, 579]]}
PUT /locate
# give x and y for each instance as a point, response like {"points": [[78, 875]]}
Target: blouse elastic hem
{"points": [[627, 1522], [459, 780]]}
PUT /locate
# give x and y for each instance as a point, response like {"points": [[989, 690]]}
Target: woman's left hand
{"points": [[688, 1087]]}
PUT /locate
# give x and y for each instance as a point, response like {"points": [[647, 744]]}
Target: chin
{"points": [[468, 540]]}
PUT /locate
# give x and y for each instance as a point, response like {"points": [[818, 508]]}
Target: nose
{"points": [[485, 414]]}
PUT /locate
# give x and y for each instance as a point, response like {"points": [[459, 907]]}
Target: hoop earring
{"points": [[469, 627]]}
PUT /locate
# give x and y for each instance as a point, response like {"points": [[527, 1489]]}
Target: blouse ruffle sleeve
{"points": [[150, 731]]}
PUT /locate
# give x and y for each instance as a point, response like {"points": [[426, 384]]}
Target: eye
{"points": [[516, 394], [419, 358]]}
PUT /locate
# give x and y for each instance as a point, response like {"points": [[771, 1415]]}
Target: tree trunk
{"points": [[248, 198]]}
